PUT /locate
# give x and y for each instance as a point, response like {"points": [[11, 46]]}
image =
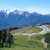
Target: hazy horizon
{"points": [[40, 6]]}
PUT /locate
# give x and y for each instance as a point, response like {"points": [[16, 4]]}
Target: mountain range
{"points": [[21, 19]]}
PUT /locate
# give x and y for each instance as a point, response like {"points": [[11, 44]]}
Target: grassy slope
{"points": [[23, 43], [28, 30]]}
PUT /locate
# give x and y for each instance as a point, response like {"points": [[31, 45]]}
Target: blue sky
{"points": [[40, 6]]}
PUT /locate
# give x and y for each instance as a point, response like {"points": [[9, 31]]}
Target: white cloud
{"points": [[31, 9], [35, 9]]}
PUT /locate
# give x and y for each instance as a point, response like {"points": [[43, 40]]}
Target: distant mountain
{"points": [[15, 19]]}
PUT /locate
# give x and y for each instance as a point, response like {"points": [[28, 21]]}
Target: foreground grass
{"points": [[24, 43], [28, 30]]}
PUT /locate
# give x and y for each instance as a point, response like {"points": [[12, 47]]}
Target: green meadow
{"points": [[24, 43], [27, 30]]}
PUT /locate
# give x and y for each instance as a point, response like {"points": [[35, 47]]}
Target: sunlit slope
{"points": [[27, 30], [48, 26]]}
